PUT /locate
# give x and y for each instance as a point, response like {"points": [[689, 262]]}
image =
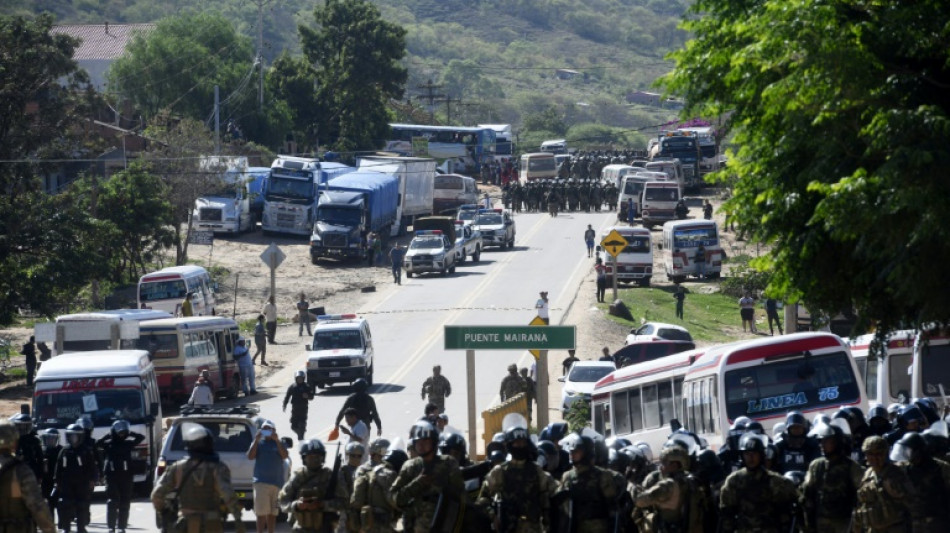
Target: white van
{"points": [[658, 202], [635, 262], [681, 240], [105, 386], [164, 290], [115, 329], [615, 173], [671, 167], [554, 146], [632, 187], [452, 191]]}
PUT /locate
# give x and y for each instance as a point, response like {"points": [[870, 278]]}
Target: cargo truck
{"points": [[350, 206], [416, 185], [291, 190]]}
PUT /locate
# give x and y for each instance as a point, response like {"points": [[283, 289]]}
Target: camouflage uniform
{"points": [[591, 491], [311, 484], [420, 496], [373, 500], [521, 490], [207, 484], [828, 493], [22, 506], [881, 500], [676, 504], [512, 385], [756, 501], [928, 496], [349, 516], [437, 387]]}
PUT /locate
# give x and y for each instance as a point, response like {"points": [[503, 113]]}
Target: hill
{"points": [[498, 57]]}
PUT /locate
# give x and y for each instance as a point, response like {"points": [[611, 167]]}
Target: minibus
{"points": [[115, 329], [537, 166], [634, 263], [452, 191], [166, 289], [887, 378], [681, 239], [658, 202], [930, 372]]}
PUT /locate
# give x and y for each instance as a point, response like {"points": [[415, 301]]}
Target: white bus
{"points": [[658, 203], [166, 289], [681, 240], [615, 173], [537, 166], [554, 146], [632, 187], [115, 329], [931, 367], [634, 263], [888, 378]]}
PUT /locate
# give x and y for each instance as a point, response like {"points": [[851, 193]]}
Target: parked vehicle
{"points": [[930, 372], [291, 192], [106, 386], [682, 239], [497, 228], [349, 207], [684, 146], [342, 351], [431, 251], [467, 213], [888, 378], [165, 290], [632, 187], [225, 206], [654, 331], [468, 242], [554, 146], [416, 196], [634, 264], [580, 379], [537, 166], [658, 204], [641, 351], [116, 329], [452, 191], [615, 173]]}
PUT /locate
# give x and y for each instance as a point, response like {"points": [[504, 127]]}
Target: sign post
{"points": [[613, 244], [540, 338], [273, 257], [203, 237]]}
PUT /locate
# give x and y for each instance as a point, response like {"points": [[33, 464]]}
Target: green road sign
{"points": [[509, 337]]}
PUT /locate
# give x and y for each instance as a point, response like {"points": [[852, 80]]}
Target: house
{"points": [[644, 98], [100, 45], [566, 74]]}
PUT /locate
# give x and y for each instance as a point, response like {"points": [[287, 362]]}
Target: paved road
{"points": [[407, 325]]}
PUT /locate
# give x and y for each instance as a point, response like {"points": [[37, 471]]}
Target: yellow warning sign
{"points": [[614, 243], [537, 321]]}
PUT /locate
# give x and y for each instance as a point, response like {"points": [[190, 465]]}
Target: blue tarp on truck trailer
{"points": [[380, 189]]}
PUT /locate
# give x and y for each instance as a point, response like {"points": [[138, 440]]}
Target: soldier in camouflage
{"points": [[830, 487], [512, 385], [349, 518], [198, 483], [22, 506], [929, 485], [517, 493], [673, 503], [587, 494], [424, 482], [437, 387], [754, 499], [883, 492], [377, 449], [306, 495], [372, 495]]}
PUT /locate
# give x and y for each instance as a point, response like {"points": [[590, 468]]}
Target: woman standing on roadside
{"points": [[601, 271]]}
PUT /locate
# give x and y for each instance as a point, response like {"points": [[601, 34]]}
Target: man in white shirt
{"points": [[355, 430], [543, 306]]}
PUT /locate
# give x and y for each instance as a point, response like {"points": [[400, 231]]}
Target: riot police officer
{"points": [[377, 449], [117, 448], [830, 487], [75, 478], [28, 448], [587, 494], [311, 493], [22, 506], [795, 449], [299, 395], [426, 480], [372, 497], [190, 493], [518, 492], [753, 498], [929, 487], [51, 451]]}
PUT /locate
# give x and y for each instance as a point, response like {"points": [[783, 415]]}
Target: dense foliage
{"points": [[841, 113]]}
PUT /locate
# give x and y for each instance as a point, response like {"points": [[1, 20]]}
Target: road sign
{"points": [[273, 256], [201, 237], [537, 321], [509, 337], [614, 243]]}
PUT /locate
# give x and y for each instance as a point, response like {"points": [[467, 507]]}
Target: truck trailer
{"points": [[416, 185]]}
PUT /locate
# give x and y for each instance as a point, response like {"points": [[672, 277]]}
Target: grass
{"points": [[710, 318]]}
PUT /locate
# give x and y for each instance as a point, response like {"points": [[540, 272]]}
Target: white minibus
{"points": [[166, 289], [887, 378], [931, 368], [635, 262], [615, 173], [105, 386], [632, 187], [115, 329], [681, 241], [537, 166], [452, 191], [555, 146], [658, 203]]}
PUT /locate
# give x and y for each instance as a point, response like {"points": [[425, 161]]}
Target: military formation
{"points": [[562, 195]]}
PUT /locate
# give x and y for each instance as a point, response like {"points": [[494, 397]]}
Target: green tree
{"points": [[176, 66], [355, 55], [840, 113], [548, 119]]}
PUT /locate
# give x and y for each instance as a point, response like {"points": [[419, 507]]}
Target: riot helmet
{"points": [[554, 432], [395, 458], [23, 423], [793, 420], [937, 439], [618, 461], [928, 408], [580, 447], [670, 455], [50, 438], [452, 442], [911, 448], [549, 450], [617, 443], [75, 435], [911, 418], [778, 430], [86, 423], [878, 421], [755, 427], [421, 432], [709, 467], [198, 438], [795, 476], [360, 385], [379, 447], [645, 449], [355, 449], [120, 429], [518, 442], [313, 454]]}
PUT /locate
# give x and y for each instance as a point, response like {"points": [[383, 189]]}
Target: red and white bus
{"points": [[707, 389], [166, 289], [887, 378], [181, 348]]}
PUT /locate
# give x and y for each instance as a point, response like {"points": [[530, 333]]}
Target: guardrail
{"points": [[493, 416]]}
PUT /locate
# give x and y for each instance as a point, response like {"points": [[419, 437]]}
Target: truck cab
{"points": [[337, 231], [341, 352], [225, 203]]}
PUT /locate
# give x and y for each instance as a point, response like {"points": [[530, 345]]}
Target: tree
{"points": [[355, 56], [840, 113], [176, 66]]}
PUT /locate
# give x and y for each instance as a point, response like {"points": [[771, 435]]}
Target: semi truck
{"points": [[416, 185], [291, 190], [225, 205], [682, 145], [349, 207]]}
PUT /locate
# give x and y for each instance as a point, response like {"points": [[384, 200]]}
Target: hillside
{"points": [[498, 56]]}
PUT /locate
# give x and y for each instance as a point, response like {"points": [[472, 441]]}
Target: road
{"points": [[407, 325]]}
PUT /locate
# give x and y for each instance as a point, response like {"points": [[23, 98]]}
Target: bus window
{"points": [[713, 409], [636, 411], [790, 384], [162, 290], [898, 374], [621, 412], [661, 194], [600, 416], [677, 397], [159, 346], [695, 237], [667, 410], [651, 407], [636, 245], [935, 369]]}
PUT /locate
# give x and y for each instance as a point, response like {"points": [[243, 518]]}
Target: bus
{"points": [[504, 143], [615, 173], [452, 191], [887, 379], [181, 348], [930, 372], [658, 202], [537, 166], [472, 146], [115, 329], [681, 238], [632, 187], [554, 146], [165, 289]]}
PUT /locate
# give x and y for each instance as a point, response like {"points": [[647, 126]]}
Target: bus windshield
{"points": [[278, 187], [790, 384], [664, 194], [158, 345], [695, 237], [59, 409], [636, 245], [162, 290], [935, 369], [537, 164], [337, 339]]}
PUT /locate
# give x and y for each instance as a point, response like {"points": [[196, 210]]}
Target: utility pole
{"points": [[431, 96], [217, 122], [260, 53]]}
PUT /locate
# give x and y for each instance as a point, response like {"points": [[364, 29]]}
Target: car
{"points": [[342, 351], [497, 228], [234, 429], [654, 331], [430, 251], [580, 379], [468, 242], [640, 351]]}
